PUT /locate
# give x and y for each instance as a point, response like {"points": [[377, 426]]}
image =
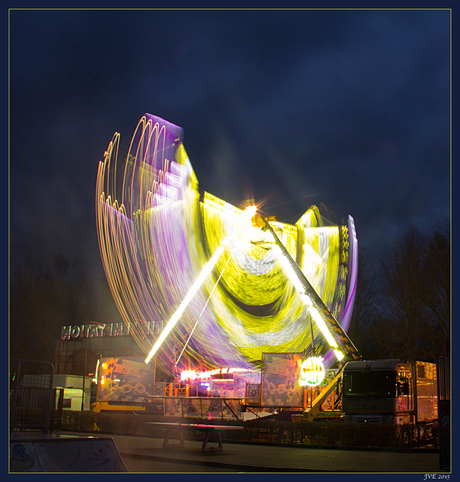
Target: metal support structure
{"points": [[332, 324], [315, 412]]}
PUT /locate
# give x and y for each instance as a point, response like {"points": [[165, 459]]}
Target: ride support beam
{"points": [[332, 324]]}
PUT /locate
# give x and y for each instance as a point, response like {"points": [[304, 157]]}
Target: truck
{"points": [[385, 391], [389, 391]]}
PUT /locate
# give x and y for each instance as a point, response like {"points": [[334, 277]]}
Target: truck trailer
{"points": [[389, 391]]}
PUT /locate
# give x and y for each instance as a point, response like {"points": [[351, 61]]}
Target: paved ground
{"points": [[145, 454]]}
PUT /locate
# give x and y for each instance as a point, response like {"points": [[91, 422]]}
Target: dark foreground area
{"points": [[144, 454], [265, 430], [80, 452]]}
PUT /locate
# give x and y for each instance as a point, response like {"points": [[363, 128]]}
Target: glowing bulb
{"points": [[250, 211]]}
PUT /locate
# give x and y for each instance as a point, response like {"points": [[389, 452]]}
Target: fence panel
{"points": [[31, 395], [444, 409]]}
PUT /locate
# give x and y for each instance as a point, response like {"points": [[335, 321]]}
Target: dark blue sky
{"points": [[349, 108]]}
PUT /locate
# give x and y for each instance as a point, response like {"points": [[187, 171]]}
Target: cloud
{"points": [[348, 108]]}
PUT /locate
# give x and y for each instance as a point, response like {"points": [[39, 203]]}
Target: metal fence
{"points": [[31, 395], [444, 409], [443, 378]]}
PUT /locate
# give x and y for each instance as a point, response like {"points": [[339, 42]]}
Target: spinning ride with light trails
{"points": [[221, 285]]}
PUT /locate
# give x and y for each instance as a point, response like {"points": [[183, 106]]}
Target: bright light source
{"points": [[188, 374], [192, 292], [322, 326], [308, 302], [312, 372], [250, 211], [290, 272], [338, 354]]}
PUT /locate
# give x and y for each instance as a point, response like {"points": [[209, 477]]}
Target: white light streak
{"points": [[338, 354], [204, 307], [192, 292], [308, 302], [322, 326], [291, 273]]}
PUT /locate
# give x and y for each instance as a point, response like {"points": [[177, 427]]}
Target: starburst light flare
{"points": [[180, 290]]}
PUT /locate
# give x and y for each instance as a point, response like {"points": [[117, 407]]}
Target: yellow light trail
{"points": [[155, 232], [192, 292], [204, 307], [308, 302]]}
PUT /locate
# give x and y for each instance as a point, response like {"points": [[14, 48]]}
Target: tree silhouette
{"points": [[413, 321], [45, 297], [435, 290]]}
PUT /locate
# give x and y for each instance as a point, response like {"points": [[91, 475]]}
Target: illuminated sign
{"points": [[192, 374], [70, 332], [311, 372]]}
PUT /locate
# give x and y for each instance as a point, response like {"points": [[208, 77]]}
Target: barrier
{"points": [[31, 394]]}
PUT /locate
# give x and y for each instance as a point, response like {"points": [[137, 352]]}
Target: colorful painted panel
{"points": [[124, 380], [280, 380]]}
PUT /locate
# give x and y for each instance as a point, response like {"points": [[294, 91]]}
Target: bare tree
{"points": [[43, 298], [415, 288], [435, 290]]}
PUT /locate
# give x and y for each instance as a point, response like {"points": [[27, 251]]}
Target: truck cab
{"points": [[389, 391]]}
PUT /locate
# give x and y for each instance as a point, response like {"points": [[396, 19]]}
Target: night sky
{"points": [[348, 108]]}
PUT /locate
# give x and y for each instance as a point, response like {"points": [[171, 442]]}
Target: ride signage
{"points": [[312, 372], [95, 329]]}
